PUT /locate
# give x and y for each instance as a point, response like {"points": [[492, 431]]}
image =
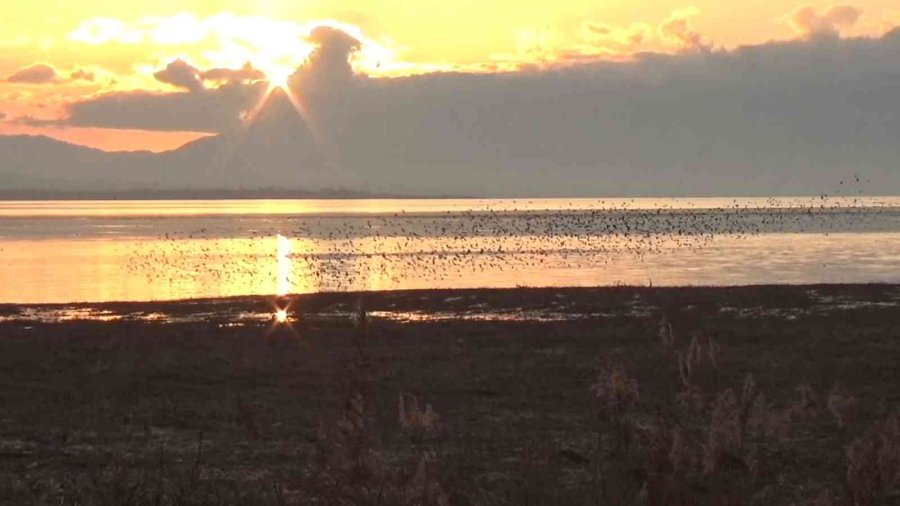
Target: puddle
{"points": [[91, 314], [68, 314], [493, 316], [229, 319], [820, 305]]}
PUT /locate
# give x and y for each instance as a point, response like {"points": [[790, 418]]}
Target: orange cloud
{"points": [[82, 75], [39, 73], [628, 36], [676, 31], [809, 22], [890, 21], [226, 40]]}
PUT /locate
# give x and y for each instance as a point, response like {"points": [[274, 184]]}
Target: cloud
{"points": [[676, 31], [197, 108], [180, 74], [758, 119], [43, 73], [39, 73], [203, 110], [243, 74], [228, 40], [2, 116], [628, 36], [82, 75], [328, 67], [890, 21], [99, 31], [328, 71], [809, 22], [785, 117]]}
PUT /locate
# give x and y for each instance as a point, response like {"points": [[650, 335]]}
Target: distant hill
{"points": [[42, 163], [275, 156]]}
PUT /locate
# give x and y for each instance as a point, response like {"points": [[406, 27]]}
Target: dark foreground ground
{"points": [[542, 396]]}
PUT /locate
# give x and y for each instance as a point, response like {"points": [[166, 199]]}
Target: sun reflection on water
{"points": [[283, 282], [285, 266]]}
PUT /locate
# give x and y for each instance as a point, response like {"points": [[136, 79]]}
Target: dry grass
{"points": [[841, 404], [873, 465]]}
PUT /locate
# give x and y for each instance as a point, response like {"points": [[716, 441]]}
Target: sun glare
{"points": [[281, 315], [278, 77]]}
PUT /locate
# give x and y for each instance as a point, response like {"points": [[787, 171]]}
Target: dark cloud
{"points": [[245, 73], [206, 110], [808, 21], [328, 68], [39, 73], [181, 74], [215, 109], [784, 117]]}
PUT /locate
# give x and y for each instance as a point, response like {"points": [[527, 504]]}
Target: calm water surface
{"points": [[71, 251]]}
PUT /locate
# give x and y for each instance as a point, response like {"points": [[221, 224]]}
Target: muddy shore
{"points": [[213, 400]]}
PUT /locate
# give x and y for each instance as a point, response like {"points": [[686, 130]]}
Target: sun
{"points": [[278, 77], [281, 316]]}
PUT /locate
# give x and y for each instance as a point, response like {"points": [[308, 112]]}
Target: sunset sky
{"points": [[54, 53]]}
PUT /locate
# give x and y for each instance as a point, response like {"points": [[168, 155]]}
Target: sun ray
{"points": [[279, 81]]}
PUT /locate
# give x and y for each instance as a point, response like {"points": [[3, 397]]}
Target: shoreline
{"points": [[433, 294]]}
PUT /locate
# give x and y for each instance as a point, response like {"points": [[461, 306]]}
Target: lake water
{"points": [[92, 251]]}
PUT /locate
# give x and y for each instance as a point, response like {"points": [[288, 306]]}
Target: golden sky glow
{"points": [[100, 46]]}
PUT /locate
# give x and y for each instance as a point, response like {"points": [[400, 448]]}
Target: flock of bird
{"points": [[374, 251]]}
